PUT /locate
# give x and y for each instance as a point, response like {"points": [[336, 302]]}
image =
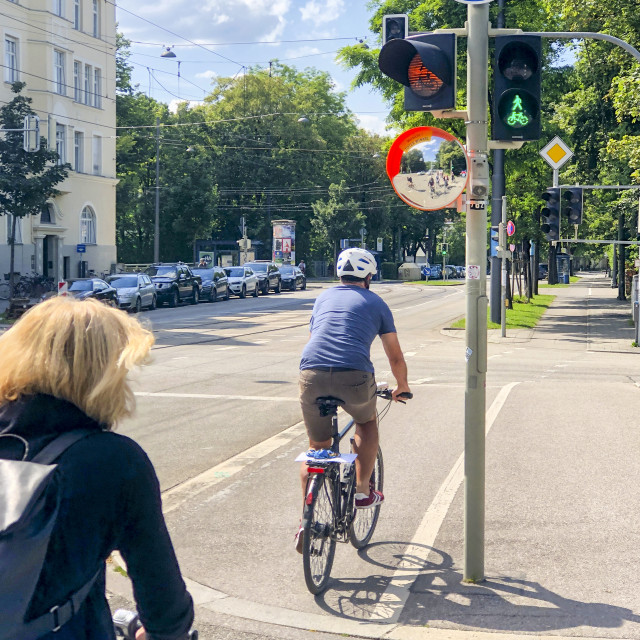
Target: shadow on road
{"points": [[438, 597]]}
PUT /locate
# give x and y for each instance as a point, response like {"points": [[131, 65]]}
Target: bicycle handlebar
{"points": [[387, 394], [126, 624]]}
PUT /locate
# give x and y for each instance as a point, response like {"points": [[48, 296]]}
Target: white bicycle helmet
{"points": [[356, 262]]}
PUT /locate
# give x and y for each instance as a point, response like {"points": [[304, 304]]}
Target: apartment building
{"points": [[64, 50]]}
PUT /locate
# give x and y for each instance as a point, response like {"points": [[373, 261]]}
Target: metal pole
{"points": [[476, 298], [503, 279], [156, 229]]}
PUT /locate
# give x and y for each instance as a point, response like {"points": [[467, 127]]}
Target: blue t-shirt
{"points": [[345, 321]]}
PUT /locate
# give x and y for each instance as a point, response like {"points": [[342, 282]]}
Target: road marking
{"points": [[181, 493], [419, 548], [408, 354], [211, 396]]}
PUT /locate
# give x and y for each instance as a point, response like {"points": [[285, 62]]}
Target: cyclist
{"points": [[336, 362], [64, 366]]}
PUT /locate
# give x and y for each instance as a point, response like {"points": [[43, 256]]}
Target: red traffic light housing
{"points": [[426, 66]]}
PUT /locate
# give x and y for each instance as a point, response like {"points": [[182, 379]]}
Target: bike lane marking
{"points": [[394, 599]]}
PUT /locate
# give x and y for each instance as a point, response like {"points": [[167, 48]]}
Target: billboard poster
{"points": [[284, 241]]}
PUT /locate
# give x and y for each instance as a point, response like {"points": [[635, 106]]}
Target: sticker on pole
{"points": [[427, 168], [473, 272]]}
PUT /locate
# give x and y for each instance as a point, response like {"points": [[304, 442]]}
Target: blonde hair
{"points": [[77, 350]]}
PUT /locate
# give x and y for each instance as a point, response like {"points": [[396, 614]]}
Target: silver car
{"points": [[242, 280], [135, 291]]}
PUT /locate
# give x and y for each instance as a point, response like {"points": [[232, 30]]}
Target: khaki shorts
{"points": [[356, 389]]}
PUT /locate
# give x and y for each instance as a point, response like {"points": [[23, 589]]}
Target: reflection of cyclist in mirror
{"points": [[410, 181], [432, 186], [395, 29]]}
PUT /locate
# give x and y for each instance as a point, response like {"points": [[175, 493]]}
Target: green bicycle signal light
{"points": [[516, 92]]}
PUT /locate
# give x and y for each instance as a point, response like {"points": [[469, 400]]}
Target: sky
{"points": [[219, 37]]}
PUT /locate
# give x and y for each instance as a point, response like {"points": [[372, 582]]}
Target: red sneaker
{"points": [[374, 499]]}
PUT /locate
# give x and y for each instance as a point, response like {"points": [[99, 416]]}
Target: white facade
{"points": [[64, 50]]}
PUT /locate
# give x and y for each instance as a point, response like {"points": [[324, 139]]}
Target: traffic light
{"points": [[426, 66], [572, 200], [394, 26], [516, 90], [551, 214]]}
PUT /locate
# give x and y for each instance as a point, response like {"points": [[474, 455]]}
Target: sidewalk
{"points": [[562, 530]]}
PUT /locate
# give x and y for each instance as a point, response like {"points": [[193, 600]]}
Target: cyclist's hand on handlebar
{"points": [[401, 393], [141, 634]]}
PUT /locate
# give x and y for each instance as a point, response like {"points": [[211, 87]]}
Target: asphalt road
{"points": [[219, 418]]}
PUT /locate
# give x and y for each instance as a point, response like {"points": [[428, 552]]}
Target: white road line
{"points": [[212, 396], [178, 495], [393, 600], [408, 354]]}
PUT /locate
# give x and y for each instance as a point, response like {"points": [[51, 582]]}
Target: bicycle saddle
{"points": [[328, 405]]}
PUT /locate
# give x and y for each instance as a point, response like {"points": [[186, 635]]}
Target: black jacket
{"points": [[110, 500]]}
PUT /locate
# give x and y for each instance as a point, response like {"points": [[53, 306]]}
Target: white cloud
{"points": [[207, 21], [373, 124], [173, 105], [209, 74], [321, 12]]}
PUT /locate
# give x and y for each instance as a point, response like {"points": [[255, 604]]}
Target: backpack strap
{"points": [[59, 615], [60, 444]]}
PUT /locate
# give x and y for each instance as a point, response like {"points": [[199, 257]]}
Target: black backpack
{"points": [[29, 505]]}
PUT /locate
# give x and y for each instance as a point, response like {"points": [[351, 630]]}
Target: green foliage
{"points": [[389, 270]]}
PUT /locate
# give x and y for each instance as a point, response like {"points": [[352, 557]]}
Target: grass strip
{"points": [[524, 315]]}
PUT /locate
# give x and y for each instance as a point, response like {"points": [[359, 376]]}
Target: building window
{"points": [[18, 229], [47, 215], [60, 143], [88, 226], [96, 19], [97, 155], [97, 88], [77, 81], [58, 6], [87, 84], [10, 59], [78, 151], [77, 15], [58, 66]]}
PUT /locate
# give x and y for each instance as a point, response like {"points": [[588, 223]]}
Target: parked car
{"points": [[84, 288], [292, 277], [436, 272], [214, 283], [135, 291], [174, 282], [268, 274], [242, 280], [543, 271], [450, 271], [461, 271]]}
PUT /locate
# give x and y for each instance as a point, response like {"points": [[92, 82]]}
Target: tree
{"points": [[27, 180]]}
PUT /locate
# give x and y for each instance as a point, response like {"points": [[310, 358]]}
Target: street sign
{"points": [[512, 247], [556, 153], [511, 228], [427, 271], [81, 248], [379, 244]]}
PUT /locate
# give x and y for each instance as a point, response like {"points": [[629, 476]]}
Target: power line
{"points": [[225, 44]]}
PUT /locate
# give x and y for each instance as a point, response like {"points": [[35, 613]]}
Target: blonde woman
{"points": [[63, 367]]}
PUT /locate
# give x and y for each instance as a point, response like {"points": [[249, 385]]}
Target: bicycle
{"points": [[126, 624], [329, 514]]}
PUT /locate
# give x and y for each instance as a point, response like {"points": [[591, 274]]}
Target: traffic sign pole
{"points": [[476, 298]]}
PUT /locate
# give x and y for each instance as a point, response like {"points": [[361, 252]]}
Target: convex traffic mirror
{"points": [[427, 168]]}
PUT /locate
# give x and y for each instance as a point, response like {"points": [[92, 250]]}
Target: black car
{"points": [[292, 277], [268, 275], [174, 282], [214, 283], [84, 288]]}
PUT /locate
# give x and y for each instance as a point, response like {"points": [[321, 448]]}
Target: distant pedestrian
{"points": [[303, 267]]}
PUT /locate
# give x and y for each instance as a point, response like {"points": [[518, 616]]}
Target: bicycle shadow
{"points": [[426, 589]]}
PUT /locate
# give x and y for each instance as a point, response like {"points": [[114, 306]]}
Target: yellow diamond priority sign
{"points": [[556, 153]]}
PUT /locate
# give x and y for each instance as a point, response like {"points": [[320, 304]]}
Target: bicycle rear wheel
{"points": [[365, 520], [318, 544]]}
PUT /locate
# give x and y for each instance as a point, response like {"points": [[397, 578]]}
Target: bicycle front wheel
{"points": [[365, 520], [318, 544]]}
